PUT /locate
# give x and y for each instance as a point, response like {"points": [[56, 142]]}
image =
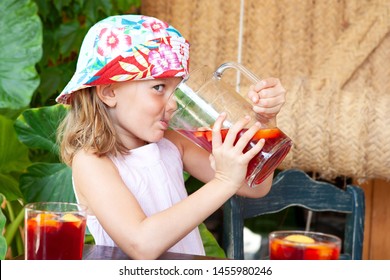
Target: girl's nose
{"points": [[171, 104]]}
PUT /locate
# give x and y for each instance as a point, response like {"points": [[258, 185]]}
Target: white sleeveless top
{"points": [[154, 175]]}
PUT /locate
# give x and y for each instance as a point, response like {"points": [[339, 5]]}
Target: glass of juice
{"points": [[54, 231], [303, 245]]}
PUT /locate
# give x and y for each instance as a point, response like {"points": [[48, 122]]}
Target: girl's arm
{"points": [[197, 163], [100, 187]]}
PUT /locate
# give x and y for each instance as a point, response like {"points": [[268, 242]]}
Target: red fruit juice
{"points": [[276, 147], [51, 237], [284, 250]]}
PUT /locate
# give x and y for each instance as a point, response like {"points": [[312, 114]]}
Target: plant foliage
{"points": [[21, 49], [39, 46]]}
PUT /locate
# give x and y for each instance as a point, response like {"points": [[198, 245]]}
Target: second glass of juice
{"points": [[54, 231], [303, 245]]}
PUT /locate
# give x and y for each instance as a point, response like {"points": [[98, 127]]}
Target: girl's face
{"points": [[142, 110]]}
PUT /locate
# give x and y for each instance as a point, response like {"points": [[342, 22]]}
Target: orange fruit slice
{"points": [[47, 220], [72, 219], [204, 134], [299, 238], [267, 133], [32, 223]]}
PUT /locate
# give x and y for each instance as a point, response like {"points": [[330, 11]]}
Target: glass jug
{"points": [[203, 96]]}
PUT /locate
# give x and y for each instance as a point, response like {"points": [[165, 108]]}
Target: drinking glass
{"points": [[303, 245], [54, 231]]}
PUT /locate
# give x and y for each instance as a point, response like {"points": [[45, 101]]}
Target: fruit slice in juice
{"points": [[46, 220], [263, 133], [72, 218], [299, 238], [276, 147]]}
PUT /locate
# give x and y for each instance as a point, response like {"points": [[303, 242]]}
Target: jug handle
{"points": [[252, 77]]}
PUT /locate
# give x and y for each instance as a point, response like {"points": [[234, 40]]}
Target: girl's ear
{"points": [[106, 94]]}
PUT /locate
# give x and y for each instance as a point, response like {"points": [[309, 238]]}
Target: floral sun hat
{"points": [[128, 47]]}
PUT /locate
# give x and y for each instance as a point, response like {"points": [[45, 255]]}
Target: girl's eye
{"points": [[159, 88]]}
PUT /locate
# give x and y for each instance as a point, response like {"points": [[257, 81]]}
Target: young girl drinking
{"points": [[127, 167]]}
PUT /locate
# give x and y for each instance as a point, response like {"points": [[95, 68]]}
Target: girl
{"points": [[127, 167]]}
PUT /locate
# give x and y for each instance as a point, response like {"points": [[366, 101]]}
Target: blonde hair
{"points": [[87, 126]]}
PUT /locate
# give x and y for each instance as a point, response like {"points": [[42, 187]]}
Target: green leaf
{"points": [[21, 49], [10, 187], [53, 80], [60, 4], [43, 7], [3, 243], [37, 127], [128, 6], [13, 154], [71, 36], [192, 184], [47, 182], [97, 9], [210, 244]]}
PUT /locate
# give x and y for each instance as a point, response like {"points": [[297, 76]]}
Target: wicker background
{"points": [[332, 57]]}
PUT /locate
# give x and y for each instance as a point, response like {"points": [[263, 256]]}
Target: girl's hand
{"points": [[268, 97], [228, 159]]}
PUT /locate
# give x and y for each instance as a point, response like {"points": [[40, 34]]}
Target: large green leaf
{"points": [[53, 80], [71, 35], [44, 181], [20, 49], [9, 187], [3, 243], [47, 182], [95, 10], [211, 246], [13, 154], [37, 127]]}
